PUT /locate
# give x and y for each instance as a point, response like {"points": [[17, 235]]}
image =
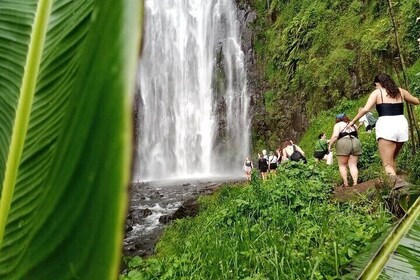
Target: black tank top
{"points": [[352, 133], [344, 134], [389, 109]]}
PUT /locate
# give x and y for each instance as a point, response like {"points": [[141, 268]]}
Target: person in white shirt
{"points": [[247, 167], [368, 120], [272, 162]]}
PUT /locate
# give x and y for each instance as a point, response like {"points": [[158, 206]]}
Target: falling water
{"points": [[194, 104]]}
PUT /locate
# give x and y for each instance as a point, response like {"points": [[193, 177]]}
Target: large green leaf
{"points": [[67, 71], [399, 255], [404, 263]]}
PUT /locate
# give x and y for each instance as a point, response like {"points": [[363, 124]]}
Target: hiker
{"points": [[368, 120], [321, 147], [279, 154], [247, 167], [348, 148], [392, 126], [263, 164], [272, 162], [293, 152]]}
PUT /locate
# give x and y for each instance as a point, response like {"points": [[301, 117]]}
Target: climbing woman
{"points": [[348, 148], [392, 126]]}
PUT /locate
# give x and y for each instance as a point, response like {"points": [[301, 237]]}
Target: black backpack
{"points": [[264, 163], [296, 155]]}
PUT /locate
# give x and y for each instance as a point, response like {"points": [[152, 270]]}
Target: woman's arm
{"points": [[369, 104], [409, 98], [300, 150], [334, 136], [284, 153]]}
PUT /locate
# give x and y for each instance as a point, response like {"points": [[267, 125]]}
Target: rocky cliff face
{"points": [[287, 120], [256, 85]]}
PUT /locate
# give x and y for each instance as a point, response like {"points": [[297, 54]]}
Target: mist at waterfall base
{"points": [[193, 107]]}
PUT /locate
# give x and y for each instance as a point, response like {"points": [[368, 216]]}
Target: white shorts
{"points": [[393, 128]]}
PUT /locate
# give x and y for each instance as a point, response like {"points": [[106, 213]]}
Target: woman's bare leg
{"points": [[387, 151], [264, 175], [342, 167], [353, 168], [398, 148]]}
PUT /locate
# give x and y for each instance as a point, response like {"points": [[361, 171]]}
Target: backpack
{"points": [[264, 163], [296, 155], [371, 119]]}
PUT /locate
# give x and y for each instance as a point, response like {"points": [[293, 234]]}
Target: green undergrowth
{"points": [[286, 227], [369, 162]]}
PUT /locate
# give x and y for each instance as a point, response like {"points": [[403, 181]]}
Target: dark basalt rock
{"points": [[189, 208], [145, 212]]}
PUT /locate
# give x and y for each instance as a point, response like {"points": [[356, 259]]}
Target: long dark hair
{"points": [[286, 143], [388, 83]]}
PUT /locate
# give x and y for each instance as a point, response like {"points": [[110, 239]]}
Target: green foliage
{"points": [[318, 53], [282, 228], [410, 163], [404, 261], [414, 79], [67, 79], [398, 256]]}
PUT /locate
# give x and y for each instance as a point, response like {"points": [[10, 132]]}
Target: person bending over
{"points": [[321, 147]]}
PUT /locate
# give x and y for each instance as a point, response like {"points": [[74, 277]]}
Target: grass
{"points": [[284, 228]]}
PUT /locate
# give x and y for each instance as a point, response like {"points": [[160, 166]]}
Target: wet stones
{"points": [[135, 217], [189, 208]]}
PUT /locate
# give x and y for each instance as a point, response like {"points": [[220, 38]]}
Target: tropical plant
{"points": [[398, 255], [66, 80]]}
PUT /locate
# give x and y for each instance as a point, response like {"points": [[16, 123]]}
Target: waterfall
{"points": [[193, 108]]}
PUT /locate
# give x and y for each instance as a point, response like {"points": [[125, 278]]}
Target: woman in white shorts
{"points": [[392, 126]]}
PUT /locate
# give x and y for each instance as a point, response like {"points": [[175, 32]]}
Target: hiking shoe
{"points": [[399, 183]]}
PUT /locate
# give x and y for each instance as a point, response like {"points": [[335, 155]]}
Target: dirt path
{"points": [[341, 194]]}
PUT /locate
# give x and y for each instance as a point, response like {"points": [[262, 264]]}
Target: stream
{"points": [[153, 205]]}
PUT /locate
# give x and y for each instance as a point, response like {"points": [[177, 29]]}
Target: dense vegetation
{"points": [[284, 228], [319, 59], [317, 53], [288, 227]]}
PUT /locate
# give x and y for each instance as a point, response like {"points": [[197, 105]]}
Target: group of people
{"points": [[269, 163], [391, 130]]}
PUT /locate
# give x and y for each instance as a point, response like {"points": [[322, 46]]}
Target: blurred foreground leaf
{"points": [[66, 84], [399, 255]]}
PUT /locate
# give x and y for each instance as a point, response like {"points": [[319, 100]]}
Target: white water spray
{"points": [[194, 104]]}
